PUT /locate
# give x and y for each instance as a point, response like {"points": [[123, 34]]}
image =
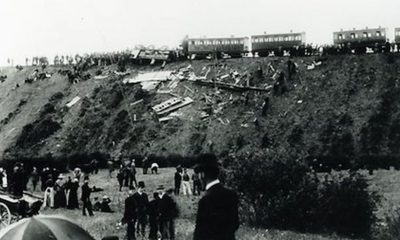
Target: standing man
{"points": [[178, 180], [34, 178], [217, 214], [86, 190], [142, 202], [197, 187], [154, 215], [120, 178], [168, 213], [186, 183], [132, 175], [145, 165], [130, 215]]}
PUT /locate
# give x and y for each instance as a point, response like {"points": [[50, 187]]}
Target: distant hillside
{"points": [[345, 111]]}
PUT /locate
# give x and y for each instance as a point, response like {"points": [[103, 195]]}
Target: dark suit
{"points": [[217, 215], [154, 215], [86, 200], [142, 202], [168, 212], [130, 216]]}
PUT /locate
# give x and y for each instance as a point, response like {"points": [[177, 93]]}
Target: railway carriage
{"points": [[203, 47], [278, 43], [361, 39]]}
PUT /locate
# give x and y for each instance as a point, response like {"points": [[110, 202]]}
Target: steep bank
{"points": [[345, 111]]}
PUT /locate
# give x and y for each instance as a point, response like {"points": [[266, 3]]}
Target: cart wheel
{"points": [[5, 216]]}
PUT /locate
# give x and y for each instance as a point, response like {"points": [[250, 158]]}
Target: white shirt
{"points": [[154, 165], [161, 195], [210, 184]]}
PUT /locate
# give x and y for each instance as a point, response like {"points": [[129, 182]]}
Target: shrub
{"points": [[56, 96], [285, 194], [389, 228]]}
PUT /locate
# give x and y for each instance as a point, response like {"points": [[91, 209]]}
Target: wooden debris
{"points": [[136, 102], [189, 89], [167, 104], [73, 101], [232, 87], [186, 101]]}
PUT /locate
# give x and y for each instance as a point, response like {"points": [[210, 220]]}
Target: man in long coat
{"points": [[130, 215], [217, 214]]}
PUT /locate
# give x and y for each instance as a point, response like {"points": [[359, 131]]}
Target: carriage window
{"points": [[369, 34], [286, 38], [378, 33], [281, 39], [201, 43], [352, 35], [340, 36], [192, 42], [365, 34]]}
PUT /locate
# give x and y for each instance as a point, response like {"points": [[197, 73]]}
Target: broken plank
{"points": [[73, 101], [166, 104], [136, 102], [189, 89], [186, 101], [232, 87]]}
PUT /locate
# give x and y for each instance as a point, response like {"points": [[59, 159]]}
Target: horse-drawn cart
{"points": [[13, 209]]}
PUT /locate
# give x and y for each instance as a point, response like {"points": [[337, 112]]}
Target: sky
{"points": [[49, 27]]}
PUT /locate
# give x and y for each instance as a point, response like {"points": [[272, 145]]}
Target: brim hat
{"points": [[141, 184], [205, 162]]}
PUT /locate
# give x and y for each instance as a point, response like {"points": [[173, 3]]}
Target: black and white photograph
{"points": [[199, 120]]}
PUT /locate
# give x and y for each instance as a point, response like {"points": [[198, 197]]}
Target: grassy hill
{"points": [[345, 111]]}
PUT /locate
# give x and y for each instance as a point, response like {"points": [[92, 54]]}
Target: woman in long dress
{"points": [[73, 194], [60, 200]]}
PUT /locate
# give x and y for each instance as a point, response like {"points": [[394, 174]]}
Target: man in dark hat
{"points": [[142, 203], [217, 214], [130, 215]]}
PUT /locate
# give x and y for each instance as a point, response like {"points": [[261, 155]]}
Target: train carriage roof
{"points": [[371, 30], [279, 34], [218, 38]]}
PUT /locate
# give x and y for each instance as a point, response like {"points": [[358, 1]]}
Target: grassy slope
{"points": [[343, 85]]}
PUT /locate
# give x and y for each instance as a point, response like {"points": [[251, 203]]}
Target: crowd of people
{"points": [[154, 218]]}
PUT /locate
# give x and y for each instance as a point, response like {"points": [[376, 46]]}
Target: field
{"points": [[104, 224]]}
